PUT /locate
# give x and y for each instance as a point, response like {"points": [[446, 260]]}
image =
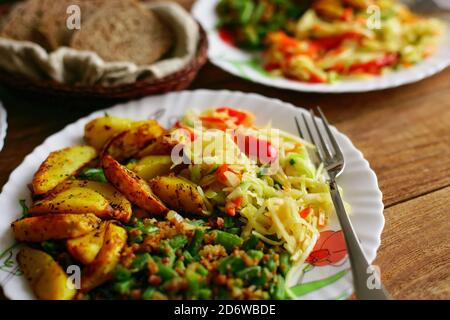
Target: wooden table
{"points": [[404, 133]]}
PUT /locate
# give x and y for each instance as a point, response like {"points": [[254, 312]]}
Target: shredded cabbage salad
{"points": [[275, 188]]}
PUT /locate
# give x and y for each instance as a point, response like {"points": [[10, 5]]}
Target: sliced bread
{"points": [[131, 34], [21, 22], [53, 24]]}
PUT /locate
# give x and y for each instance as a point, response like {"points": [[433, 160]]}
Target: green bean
{"points": [[255, 254], [250, 243], [262, 280], [148, 293], [285, 263], [277, 290], [234, 230], [140, 262], [121, 273], [204, 294], [228, 222], [93, 174], [196, 242], [148, 229], [178, 241], [179, 265], [138, 238], [165, 272], [201, 270], [271, 264], [227, 240], [123, 287], [231, 263], [249, 273], [188, 257], [193, 280]]}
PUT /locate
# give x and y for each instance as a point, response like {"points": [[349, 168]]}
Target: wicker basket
{"points": [[176, 81]]}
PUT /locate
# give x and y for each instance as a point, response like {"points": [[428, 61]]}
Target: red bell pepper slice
{"points": [[255, 148]]}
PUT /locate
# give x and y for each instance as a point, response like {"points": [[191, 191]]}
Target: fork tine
{"points": [[313, 139], [325, 148], [333, 141], [300, 133]]}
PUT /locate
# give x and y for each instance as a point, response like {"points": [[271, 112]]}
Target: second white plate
{"points": [[244, 64]]}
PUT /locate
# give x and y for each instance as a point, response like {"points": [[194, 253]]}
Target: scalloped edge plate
{"points": [[359, 182], [242, 64], [3, 125]]}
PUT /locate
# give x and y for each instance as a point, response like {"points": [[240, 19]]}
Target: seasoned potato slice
{"points": [[86, 248], [151, 166], [162, 146], [54, 226], [118, 206], [128, 143], [73, 200], [98, 131], [100, 270], [59, 166], [133, 187], [47, 279], [178, 194]]}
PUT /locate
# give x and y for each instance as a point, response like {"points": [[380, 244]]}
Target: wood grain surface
{"points": [[403, 132]]}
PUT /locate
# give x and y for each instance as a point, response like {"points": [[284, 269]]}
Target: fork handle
{"points": [[362, 276]]}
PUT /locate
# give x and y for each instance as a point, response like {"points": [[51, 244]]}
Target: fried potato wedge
{"points": [[84, 249], [99, 131], [129, 142], [132, 187], [151, 166], [54, 226], [119, 207], [46, 277], [179, 194], [73, 200], [162, 146], [102, 267], [59, 166]]}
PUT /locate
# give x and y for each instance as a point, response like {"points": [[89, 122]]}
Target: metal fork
{"points": [[333, 160]]}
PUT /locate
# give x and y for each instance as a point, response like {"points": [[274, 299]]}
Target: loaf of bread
{"points": [[22, 22], [130, 34], [53, 23]]}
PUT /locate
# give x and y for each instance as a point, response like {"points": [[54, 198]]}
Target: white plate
{"points": [[3, 125], [358, 181], [241, 63]]}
